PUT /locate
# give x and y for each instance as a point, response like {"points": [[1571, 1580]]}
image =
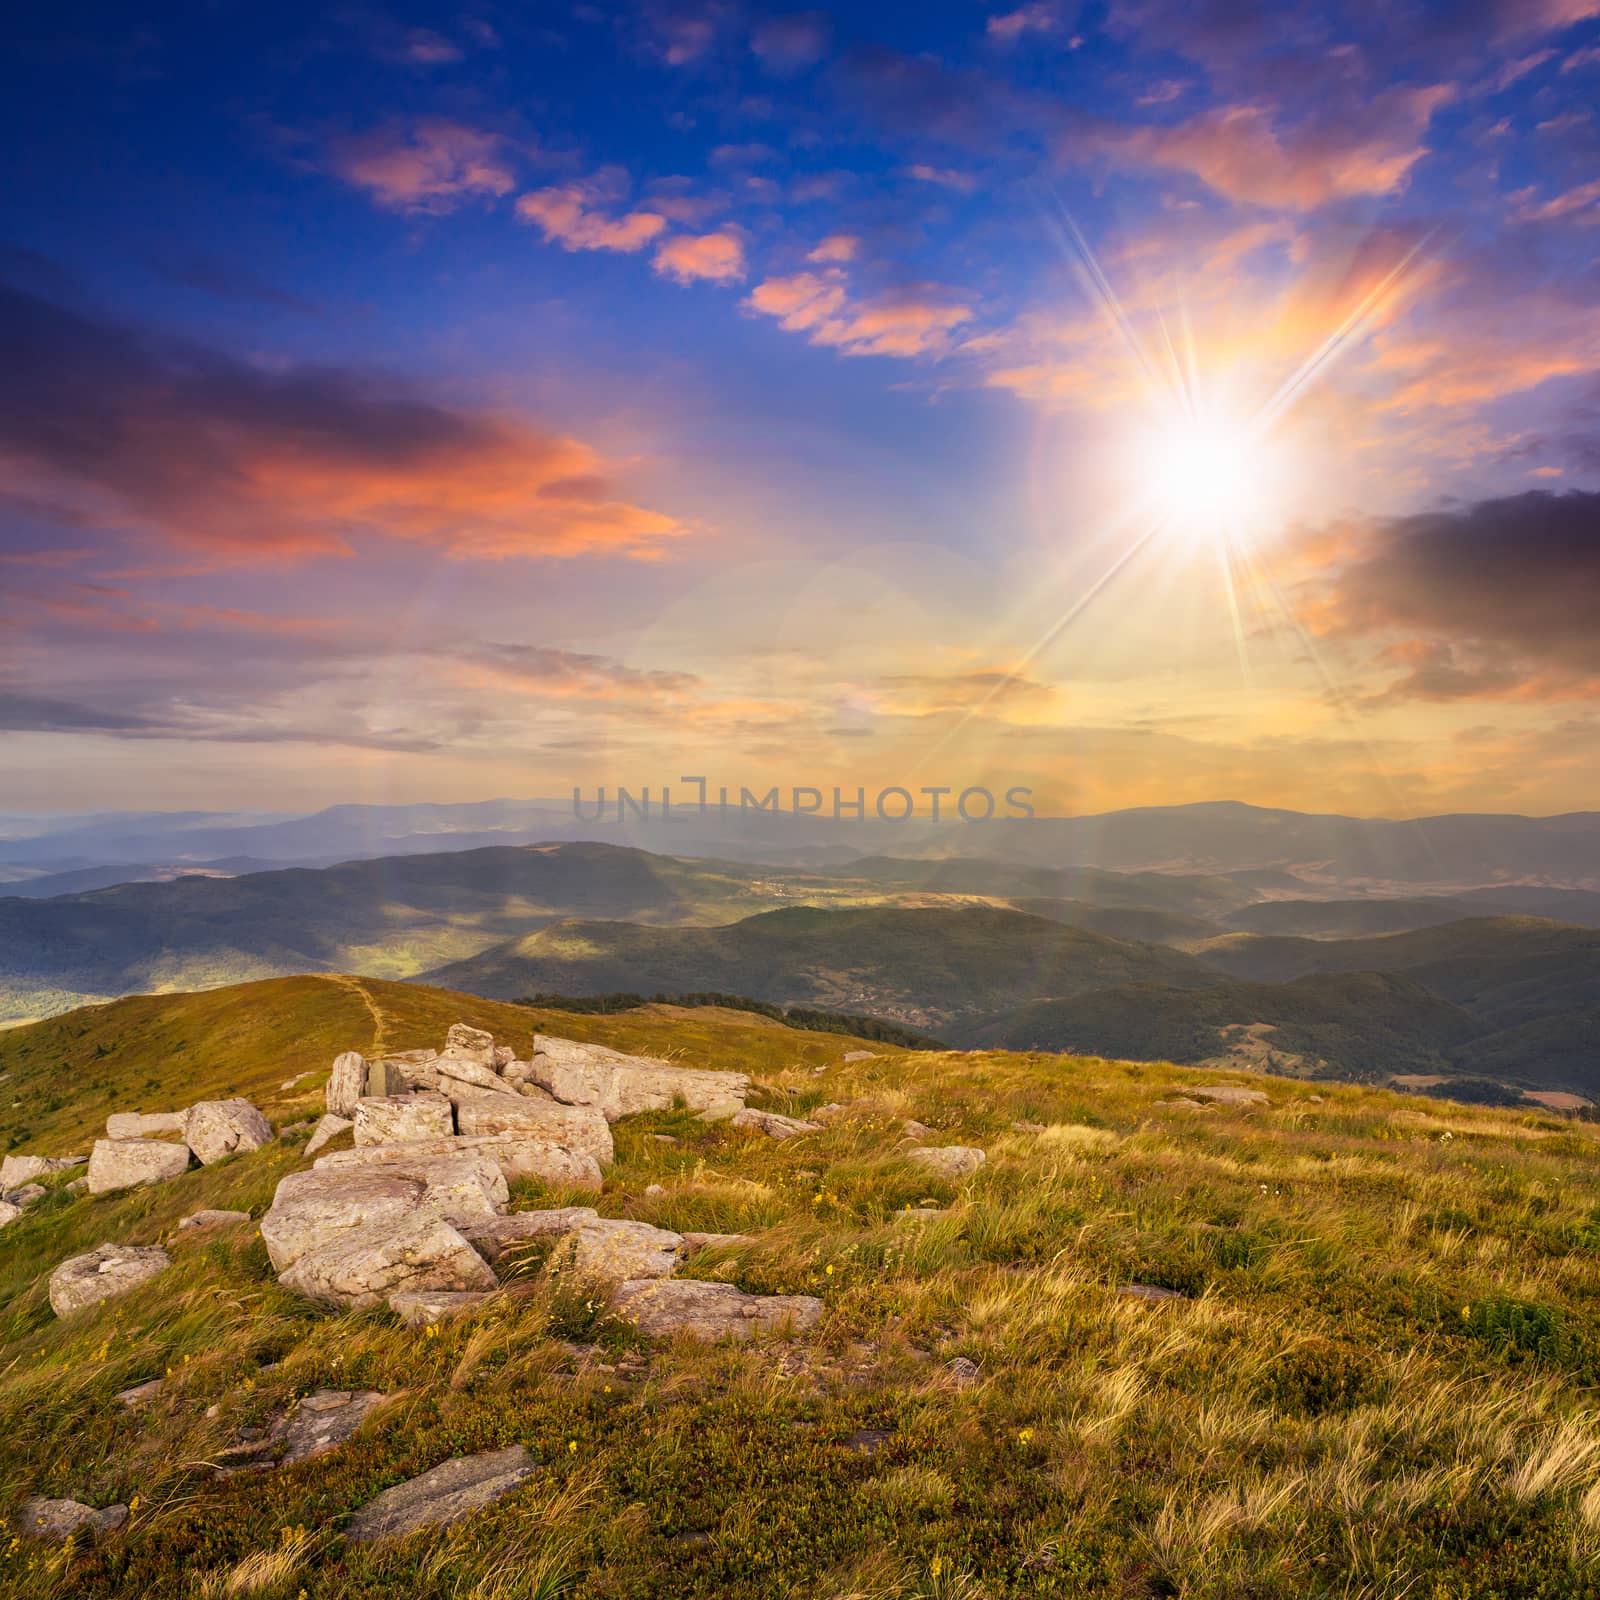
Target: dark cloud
{"points": [[25, 713]]}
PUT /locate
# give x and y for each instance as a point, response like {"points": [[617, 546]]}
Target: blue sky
{"points": [[443, 402]]}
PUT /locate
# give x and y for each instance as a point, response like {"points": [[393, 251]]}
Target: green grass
{"points": [[1382, 1384]]}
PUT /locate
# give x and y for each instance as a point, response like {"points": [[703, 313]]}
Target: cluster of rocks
{"points": [[19, 1187], [134, 1150]]}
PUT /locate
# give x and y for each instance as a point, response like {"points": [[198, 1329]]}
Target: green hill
{"points": [[922, 967], [1374, 1373]]}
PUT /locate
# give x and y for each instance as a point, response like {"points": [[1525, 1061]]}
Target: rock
{"points": [[310, 1208], [215, 1219], [576, 1127], [1154, 1293], [460, 1185], [78, 1186], [515, 1156], [921, 1213], [57, 1520], [963, 1372], [294, 1082], [504, 1055], [421, 1308], [323, 1421], [949, 1160], [1178, 1105], [771, 1124], [828, 1112], [327, 1129], [615, 1250], [347, 1083], [359, 1268], [620, 1085], [27, 1195], [664, 1138], [653, 1189], [18, 1170], [1021, 1126], [494, 1235], [662, 1307], [106, 1271], [122, 1163], [143, 1124], [913, 1129], [866, 1441], [400, 1118], [1228, 1094], [141, 1393], [470, 1044], [694, 1243], [9, 1212], [470, 1073], [217, 1128], [859, 1055], [452, 1490]]}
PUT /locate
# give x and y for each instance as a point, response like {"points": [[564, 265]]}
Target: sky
{"points": [[1143, 401]]}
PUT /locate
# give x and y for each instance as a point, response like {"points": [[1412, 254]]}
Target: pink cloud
{"points": [[578, 215], [912, 322], [837, 247], [433, 165], [1034, 18], [943, 177], [707, 257]]}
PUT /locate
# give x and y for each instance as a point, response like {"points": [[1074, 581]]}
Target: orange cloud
{"points": [[433, 166], [708, 257], [577, 215], [911, 323], [836, 248]]}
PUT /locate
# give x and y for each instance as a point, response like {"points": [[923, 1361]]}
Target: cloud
{"points": [[1495, 599], [578, 215], [1582, 203], [1243, 153], [1012, 25], [102, 426], [26, 713], [789, 44], [707, 257], [943, 177], [430, 166], [911, 322], [836, 248]]}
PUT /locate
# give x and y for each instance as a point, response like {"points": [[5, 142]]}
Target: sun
{"points": [[1209, 477]]}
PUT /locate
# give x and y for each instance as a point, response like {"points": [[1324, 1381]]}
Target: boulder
{"points": [[504, 1055], [18, 1170], [694, 1243], [949, 1160], [913, 1129], [771, 1124], [517, 1157], [107, 1270], [9, 1212], [358, 1268], [57, 1520], [615, 1250], [619, 1085], [310, 1208], [122, 1163], [462, 1043], [452, 1490], [470, 1073], [140, 1394], [859, 1055], [217, 1128], [26, 1195], [421, 1308], [461, 1185], [214, 1219], [144, 1124], [323, 1421], [492, 1236], [576, 1127], [963, 1371], [328, 1129], [1228, 1094], [396, 1119], [661, 1307], [346, 1083]]}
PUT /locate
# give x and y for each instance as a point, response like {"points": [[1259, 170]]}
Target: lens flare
{"points": [[1209, 477]]}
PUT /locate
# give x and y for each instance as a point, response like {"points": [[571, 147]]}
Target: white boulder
{"points": [[346, 1083], [108, 1270], [122, 1163], [400, 1118], [217, 1128]]}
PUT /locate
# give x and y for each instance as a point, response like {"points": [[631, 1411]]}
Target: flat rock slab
{"points": [[18, 1170], [310, 1208], [57, 1520], [141, 1394], [214, 1219], [452, 1490], [421, 1308], [1228, 1094], [324, 1420], [327, 1129], [143, 1124], [1151, 1292], [494, 1235], [360, 1268], [123, 1163], [694, 1243], [400, 1118], [949, 1160], [621, 1085], [516, 1155], [616, 1250], [577, 1127], [107, 1271], [661, 1307], [771, 1124], [217, 1128]]}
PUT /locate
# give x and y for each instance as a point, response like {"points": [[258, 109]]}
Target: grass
{"points": [[1381, 1384]]}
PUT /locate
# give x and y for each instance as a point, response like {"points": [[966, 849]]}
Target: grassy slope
{"points": [[1382, 1386], [918, 966]]}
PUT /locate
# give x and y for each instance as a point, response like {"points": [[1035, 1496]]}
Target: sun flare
{"points": [[1209, 476]]}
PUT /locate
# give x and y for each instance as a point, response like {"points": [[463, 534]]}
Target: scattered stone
{"points": [[495, 1235], [616, 1250], [922, 1213], [620, 1085], [217, 1128], [661, 1307], [55, 1521], [771, 1124], [860, 1055], [361, 1267], [950, 1160], [421, 1308], [27, 1194], [122, 1163], [664, 1138], [576, 1127], [1179, 1104], [452, 1490], [963, 1371], [347, 1083], [106, 1271], [327, 1129], [215, 1219], [1027, 1127], [1228, 1094], [913, 1129], [143, 1124], [395, 1119], [694, 1243], [1151, 1292], [141, 1393], [324, 1420], [9, 1212], [78, 1186], [828, 1112], [18, 1170], [866, 1441], [653, 1189]]}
